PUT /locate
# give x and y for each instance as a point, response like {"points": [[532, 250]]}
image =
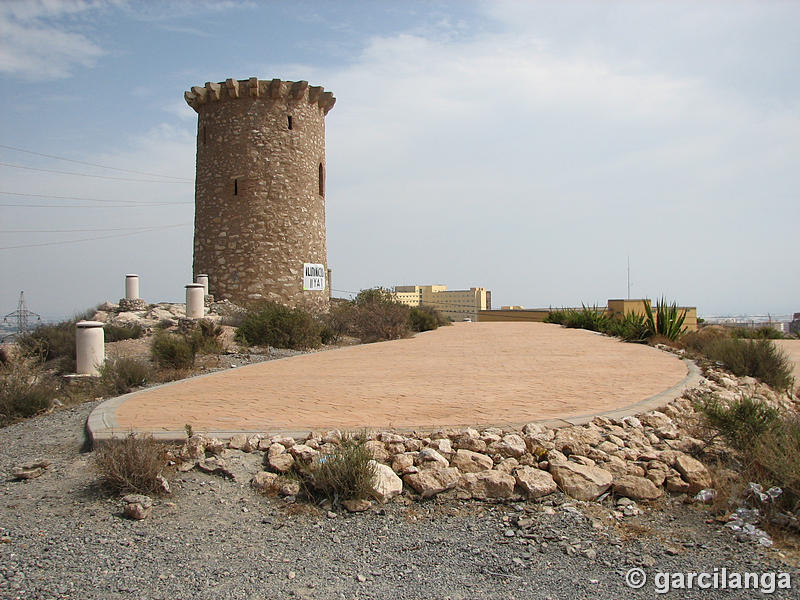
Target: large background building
{"points": [[453, 304]]}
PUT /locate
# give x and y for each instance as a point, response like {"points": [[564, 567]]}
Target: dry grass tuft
{"points": [[132, 464]]}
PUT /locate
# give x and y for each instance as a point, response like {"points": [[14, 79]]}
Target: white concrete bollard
{"points": [[131, 287], [195, 301], [89, 346], [203, 278]]}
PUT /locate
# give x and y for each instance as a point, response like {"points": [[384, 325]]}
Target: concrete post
{"points": [[131, 287], [89, 346], [203, 278], [195, 301]]}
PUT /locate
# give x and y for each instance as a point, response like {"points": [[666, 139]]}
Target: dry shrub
{"points": [[132, 464], [172, 351], [696, 342], [776, 459], [347, 474], [25, 389], [379, 316], [120, 375], [755, 358]]}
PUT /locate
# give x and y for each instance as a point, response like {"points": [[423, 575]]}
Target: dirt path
{"points": [[471, 373]]}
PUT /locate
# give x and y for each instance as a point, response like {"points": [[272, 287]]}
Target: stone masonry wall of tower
{"points": [[259, 190]]}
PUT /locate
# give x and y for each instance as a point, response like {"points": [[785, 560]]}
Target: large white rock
{"points": [[488, 484], [637, 488], [377, 450], [655, 419], [511, 445], [430, 482], [282, 463], [303, 453], [430, 459], [576, 440], [471, 462], [694, 472], [580, 481], [387, 484], [535, 482]]}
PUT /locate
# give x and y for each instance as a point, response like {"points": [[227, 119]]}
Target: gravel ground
{"points": [[60, 537]]}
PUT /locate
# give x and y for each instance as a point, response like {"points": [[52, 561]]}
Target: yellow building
{"points": [[456, 305]]}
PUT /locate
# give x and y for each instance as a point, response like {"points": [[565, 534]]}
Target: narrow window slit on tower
{"points": [[321, 180], [290, 121], [235, 187]]}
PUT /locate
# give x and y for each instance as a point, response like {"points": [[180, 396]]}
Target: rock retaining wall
{"points": [[641, 457]]}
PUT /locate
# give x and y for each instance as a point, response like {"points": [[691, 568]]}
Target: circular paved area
{"points": [[467, 374]]}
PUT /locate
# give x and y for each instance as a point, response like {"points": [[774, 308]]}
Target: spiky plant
{"points": [[667, 321]]}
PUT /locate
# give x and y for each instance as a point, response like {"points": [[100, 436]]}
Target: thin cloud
{"points": [[35, 46]]}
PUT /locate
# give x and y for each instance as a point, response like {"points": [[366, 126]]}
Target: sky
{"points": [[533, 148]]}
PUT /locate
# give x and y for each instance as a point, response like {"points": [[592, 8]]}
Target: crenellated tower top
{"points": [[274, 90]]}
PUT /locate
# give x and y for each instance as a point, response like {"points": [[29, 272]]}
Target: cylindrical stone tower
{"points": [[260, 190]]}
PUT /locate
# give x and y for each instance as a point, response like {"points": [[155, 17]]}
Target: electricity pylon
{"points": [[22, 315]]}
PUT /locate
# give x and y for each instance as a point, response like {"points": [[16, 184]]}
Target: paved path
{"points": [[467, 374]]}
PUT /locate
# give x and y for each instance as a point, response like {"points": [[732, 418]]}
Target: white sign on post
{"points": [[313, 277]]}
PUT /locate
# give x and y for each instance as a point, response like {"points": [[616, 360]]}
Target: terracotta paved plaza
{"points": [[467, 374]]}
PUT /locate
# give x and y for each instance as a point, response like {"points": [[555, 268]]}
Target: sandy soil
{"points": [[792, 348], [471, 373]]}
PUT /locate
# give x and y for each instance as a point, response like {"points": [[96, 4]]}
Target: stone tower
{"points": [[260, 190]]}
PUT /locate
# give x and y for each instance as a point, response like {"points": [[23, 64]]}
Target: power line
{"points": [[103, 237], [5, 164], [72, 230], [84, 199], [81, 162], [98, 206]]}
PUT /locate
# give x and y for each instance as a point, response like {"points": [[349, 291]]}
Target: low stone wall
{"points": [[640, 458]]}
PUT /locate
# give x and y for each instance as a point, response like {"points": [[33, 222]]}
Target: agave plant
{"points": [[667, 321]]}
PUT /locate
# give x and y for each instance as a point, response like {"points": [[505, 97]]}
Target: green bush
{"points": [[425, 318], [588, 317], [379, 316], [667, 320], [739, 422], [115, 333], [776, 459], [272, 324], [755, 358], [346, 474], [172, 351], [120, 375], [205, 338], [25, 389], [557, 315], [758, 333], [132, 464], [767, 442], [632, 327], [52, 342]]}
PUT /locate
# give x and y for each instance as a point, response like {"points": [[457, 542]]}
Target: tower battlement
{"points": [[275, 90]]}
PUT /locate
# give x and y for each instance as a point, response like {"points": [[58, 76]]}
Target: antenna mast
{"points": [[629, 277]]}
